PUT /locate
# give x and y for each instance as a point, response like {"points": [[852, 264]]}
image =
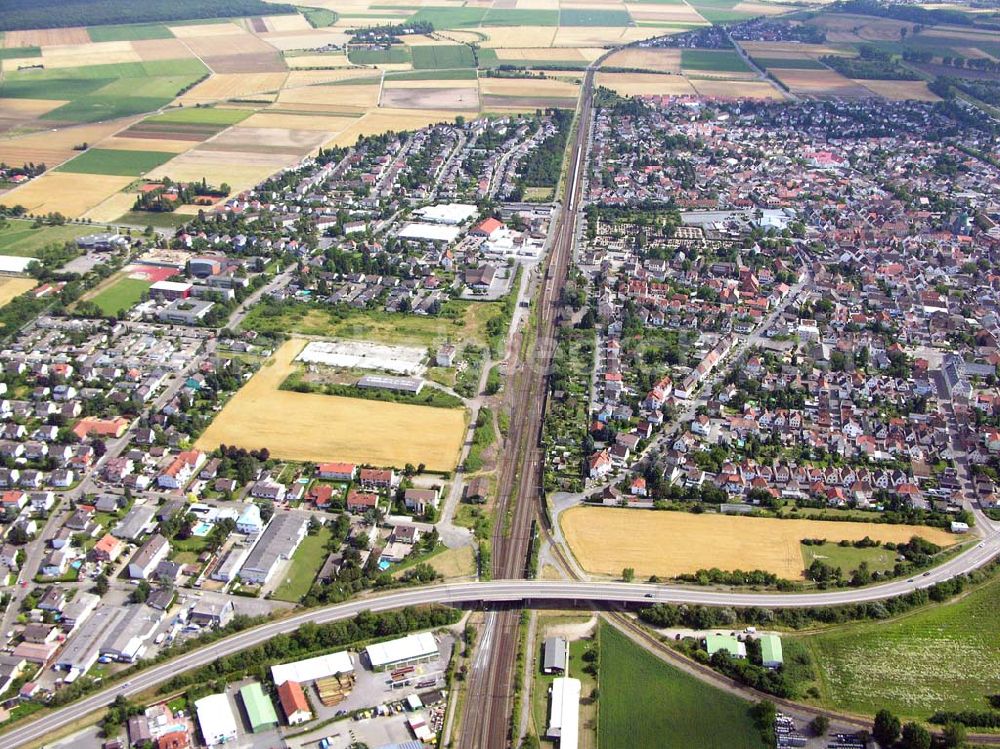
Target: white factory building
{"points": [[402, 652], [216, 719], [564, 712], [312, 669]]}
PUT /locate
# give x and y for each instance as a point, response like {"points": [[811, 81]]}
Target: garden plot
{"points": [[404, 360]]}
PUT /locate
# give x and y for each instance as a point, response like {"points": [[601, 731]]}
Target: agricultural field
{"points": [[12, 286], [721, 88], [819, 83], [901, 90], [606, 540], [18, 237], [677, 710], [444, 56], [713, 60], [122, 293], [122, 163], [653, 60], [69, 194], [425, 97], [938, 658], [645, 84], [312, 427]]}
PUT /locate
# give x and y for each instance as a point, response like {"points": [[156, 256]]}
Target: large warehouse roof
{"points": [[402, 650], [216, 718], [564, 715], [448, 213], [260, 709], [430, 232], [312, 668]]}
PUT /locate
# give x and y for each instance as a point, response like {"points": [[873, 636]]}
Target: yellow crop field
{"points": [[665, 13], [346, 95], [69, 194], [645, 84], [199, 30], [760, 9], [318, 61], [737, 89], [291, 22], [383, 120], [147, 144], [311, 39], [522, 36], [239, 168], [606, 540], [45, 37], [12, 286], [161, 49], [819, 82], [99, 53], [900, 90], [26, 109], [313, 427], [595, 36], [319, 122], [112, 208], [547, 54], [657, 60], [527, 87], [639, 33], [300, 78], [790, 49], [223, 86]]}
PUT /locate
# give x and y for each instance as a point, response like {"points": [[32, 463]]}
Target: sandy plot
{"points": [[645, 84], [97, 53], [66, 193], [318, 61], [300, 78], [361, 95], [233, 85], [46, 37], [901, 90], [199, 30], [592, 36], [528, 87], [319, 123], [264, 140], [818, 82], [737, 89], [790, 49], [606, 540], [12, 286], [26, 109], [313, 39], [291, 22], [541, 53], [521, 36], [384, 120], [112, 208], [665, 13], [312, 427], [431, 98], [658, 60]]}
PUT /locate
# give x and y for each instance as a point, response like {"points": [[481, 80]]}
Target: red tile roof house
{"points": [[487, 228], [293, 703], [176, 475], [107, 549], [360, 502], [375, 477], [336, 471], [101, 427], [320, 495]]}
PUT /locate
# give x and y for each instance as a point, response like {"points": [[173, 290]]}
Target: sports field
{"points": [[937, 658], [12, 286], [312, 427], [120, 295], [648, 704], [606, 540]]}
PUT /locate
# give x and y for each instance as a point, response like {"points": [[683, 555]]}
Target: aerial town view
{"points": [[500, 374]]}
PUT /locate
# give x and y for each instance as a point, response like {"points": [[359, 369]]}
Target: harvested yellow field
{"points": [[312, 39], [240, 169], [645, 84], [346, 95], [318, 61], [65, 193], [313, 427], [641, 33], [161, 49], [12, 286], [371, 20], [818, 82], [453, 563], [100, 53], [657, 60], [223, 86], [264, 140], [322, 123], [291, 22], [300, 78], [665, 13], [522, 36], [45, 37], [596, 36], [760, 9], [384, 120], [528, 87], [112, 208], [26, 109], [790, 49], [199, 30], [147, 144], [901, 90], [453, 35], [546, 54], [844, 27], [667, 544], [737, 89]]}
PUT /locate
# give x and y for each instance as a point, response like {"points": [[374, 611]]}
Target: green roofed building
{"points": [[728, 643], [260, 709], [770, 651]]}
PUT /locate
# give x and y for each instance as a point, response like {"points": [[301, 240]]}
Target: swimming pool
{"points": [[202, 528], [384, 564]]}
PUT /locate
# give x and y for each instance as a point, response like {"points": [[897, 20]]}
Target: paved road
{"points": [[522, 592]]}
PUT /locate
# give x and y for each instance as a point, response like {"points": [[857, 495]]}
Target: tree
{"points": [[954, 735], [915, 736], [628, 574], [101, 584], [885, 729], [819, 725]]}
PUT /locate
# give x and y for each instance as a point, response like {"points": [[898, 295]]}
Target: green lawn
{"points": [[48, 88], [720, 60], [392, 56], [318, 18], [523, 17], [304, 567], [109, 161], [450, 18], [159, 220], [18, 238], [595, 17], [797, 63], [124, 293], [719, 11], [647, 704], [201, 116], [848, 558], [129, 32], [443, 56], [937, 658]]}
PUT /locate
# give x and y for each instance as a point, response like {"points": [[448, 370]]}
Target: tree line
{"points": [[48, 14]]}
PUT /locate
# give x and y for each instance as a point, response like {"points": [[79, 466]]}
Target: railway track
{"points": [[487, 721]]}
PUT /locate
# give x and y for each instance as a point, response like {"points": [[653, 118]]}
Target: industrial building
{"points": [[311, 669], [556, 655], [170, 290], [728, 643], [126, 640], [386, 382], [564, 712], [185, 311], [216, 719], [83, 649], [230, 564], [259, 708], [278, 542], [404, 651], [770, 651]]}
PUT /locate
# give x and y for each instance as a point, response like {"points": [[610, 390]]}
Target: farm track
{"points": [[488, 717]]}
